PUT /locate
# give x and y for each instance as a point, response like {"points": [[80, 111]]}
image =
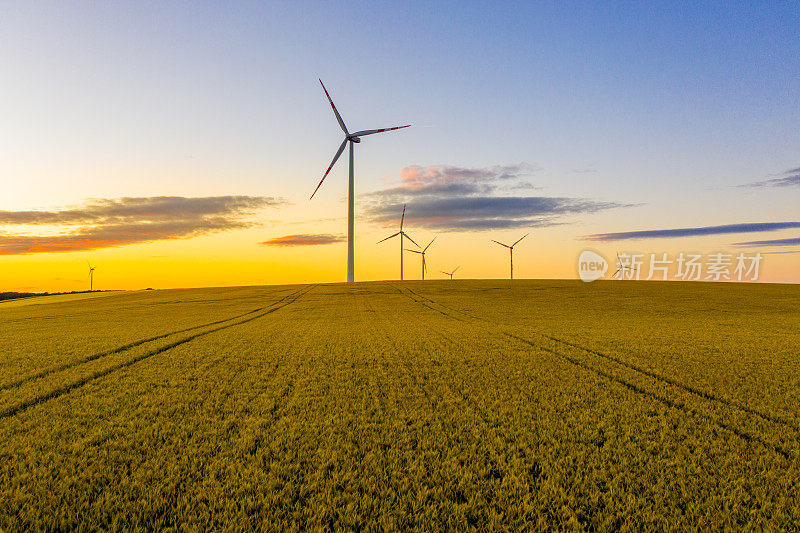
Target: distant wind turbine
{"points": [[422, 253], [351, 138], [511, 251], [91, 276], [623, 267], [451, 273], [402, 234]]}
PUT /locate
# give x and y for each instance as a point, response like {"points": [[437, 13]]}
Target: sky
{"points": [[176, 144]]}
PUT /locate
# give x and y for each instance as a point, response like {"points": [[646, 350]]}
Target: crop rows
{"points": [[382, 405], [728, 415]]}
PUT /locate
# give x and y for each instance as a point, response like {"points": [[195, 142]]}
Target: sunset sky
{"points": [[176, 144]]}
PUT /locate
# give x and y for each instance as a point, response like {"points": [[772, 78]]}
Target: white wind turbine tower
{"points": [[91, 276], [402, 234], [451, 273], [511, 251], [351, 138], [422, 253]]}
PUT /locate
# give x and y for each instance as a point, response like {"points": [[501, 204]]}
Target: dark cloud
{"points": [[148, 209], [790, 178], [103, 223], [693, 232], [773, 242], [306, 239], [484, 212], [456, 198]]}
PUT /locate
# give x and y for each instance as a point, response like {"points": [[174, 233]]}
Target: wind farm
{"points": [[596, 329], [349, 140]]}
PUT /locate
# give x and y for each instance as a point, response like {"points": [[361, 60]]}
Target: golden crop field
{"points": [[488, 405]]}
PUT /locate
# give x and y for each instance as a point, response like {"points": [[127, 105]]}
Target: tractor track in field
{"points": [[64, 389], [649, 373], [128, 346], [448, 312], [234, 423], [706, 395], [135, 306]]}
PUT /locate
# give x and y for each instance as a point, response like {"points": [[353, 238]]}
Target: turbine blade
{"points": [[410, 239], [410, 250], [501, 244], [335, 112], [387, 238], [403, 217], [370, 132], [335, 158], [520, 239], [456, 268], [429, 244]]}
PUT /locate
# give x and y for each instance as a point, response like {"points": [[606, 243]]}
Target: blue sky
{"points": [[667, 107]]}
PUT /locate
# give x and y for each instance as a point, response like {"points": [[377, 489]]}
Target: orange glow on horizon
{"points": [[237, 258]]}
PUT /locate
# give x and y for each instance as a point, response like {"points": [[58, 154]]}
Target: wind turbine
{"points": [[622, 268], [451, 273], [91, 275], [511, 251], [402, 234], [351, 138], [422, 253]]}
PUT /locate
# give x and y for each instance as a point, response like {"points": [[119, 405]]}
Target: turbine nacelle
{"points": [[355, 139]]}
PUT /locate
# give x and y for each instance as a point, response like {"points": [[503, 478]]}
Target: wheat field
{"points": [[439, 405]]}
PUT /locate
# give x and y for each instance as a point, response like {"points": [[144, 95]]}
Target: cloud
{"points": [[790, 178], [774, 242], [104, 223], [416, 180], [692, 232], [485, 212], [449, 198], [304, 240]]}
